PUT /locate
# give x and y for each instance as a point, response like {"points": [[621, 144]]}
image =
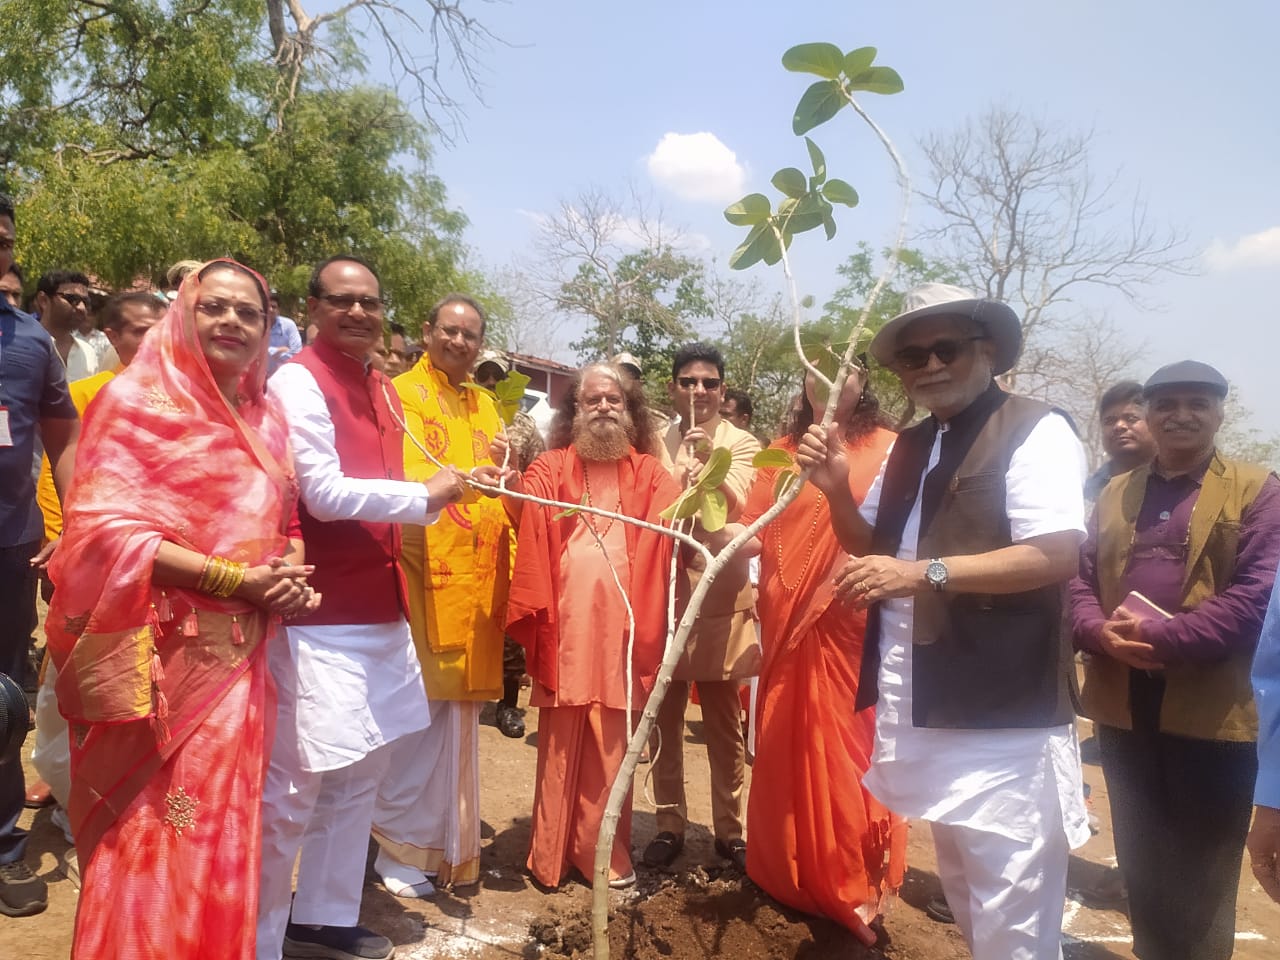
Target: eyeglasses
{"points": [[469, 337], [73, 299], [218, 308], [708, 383], [915, 358], [346, 302]]}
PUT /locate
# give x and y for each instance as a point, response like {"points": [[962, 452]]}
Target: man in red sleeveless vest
{"points": [[347, 676]]}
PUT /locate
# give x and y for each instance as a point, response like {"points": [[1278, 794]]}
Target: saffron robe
{"points": [[561, 590], [819, 841]]}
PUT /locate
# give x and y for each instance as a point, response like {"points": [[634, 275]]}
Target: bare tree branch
{"points": [[1024, 219]]}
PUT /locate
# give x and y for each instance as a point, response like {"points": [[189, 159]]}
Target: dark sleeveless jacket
{"points": [[979, 661]]}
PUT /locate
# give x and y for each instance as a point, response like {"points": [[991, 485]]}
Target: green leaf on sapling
{"points": [[772, 457], [820, 103], [858, 61], [510, 393], [715, 469], [829, 225], [715, 511], [822, 59], [749, 211], [571, 511], [790, 181], [838, 191], [684, 507], [761, 244], [785, 479], [877, 80], [818, 160]]}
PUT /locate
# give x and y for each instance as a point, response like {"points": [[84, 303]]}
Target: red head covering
{"points": [[163, 455]]}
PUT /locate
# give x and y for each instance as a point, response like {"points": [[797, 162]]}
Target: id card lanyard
{"points": [[6, 434]]}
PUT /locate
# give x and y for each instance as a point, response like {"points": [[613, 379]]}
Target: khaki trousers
{"points": [[726, 755]]}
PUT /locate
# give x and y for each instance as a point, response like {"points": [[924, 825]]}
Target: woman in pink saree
{"points": [[173, 568]]}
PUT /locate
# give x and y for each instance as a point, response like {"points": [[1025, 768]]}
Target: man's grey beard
{"points": [[603, 441]]}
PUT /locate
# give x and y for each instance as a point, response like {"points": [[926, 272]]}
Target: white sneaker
{"points": [[407, 882]]}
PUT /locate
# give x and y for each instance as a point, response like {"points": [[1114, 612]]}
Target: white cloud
{"points": [[697, 166], [1260, 249]]}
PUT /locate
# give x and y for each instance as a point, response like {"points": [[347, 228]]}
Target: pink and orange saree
{"points": [[166, 692]]}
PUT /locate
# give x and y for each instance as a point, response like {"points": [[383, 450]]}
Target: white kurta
{"points": [[982, 779], [354, 687]]}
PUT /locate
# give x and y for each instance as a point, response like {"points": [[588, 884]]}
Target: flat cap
{"points": [[497, 359], [627, 360], [1186, 373]]}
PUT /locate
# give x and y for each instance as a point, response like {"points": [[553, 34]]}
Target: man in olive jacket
{"points": [[1173, 586]]}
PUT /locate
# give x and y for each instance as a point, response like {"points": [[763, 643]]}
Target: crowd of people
{"points": [[284, 579]]}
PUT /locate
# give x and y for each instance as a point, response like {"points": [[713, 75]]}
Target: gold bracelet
{"points": [[203, 585], [236, 574], [221, 577]]}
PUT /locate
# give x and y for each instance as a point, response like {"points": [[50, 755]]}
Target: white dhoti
{"points": [[428, 809], [346, 694], [51, 755]]}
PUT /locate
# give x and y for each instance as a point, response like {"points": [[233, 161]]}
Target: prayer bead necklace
{"points": [[813, 531], [590, 518]]}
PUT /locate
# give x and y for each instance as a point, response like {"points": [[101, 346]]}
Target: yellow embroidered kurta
{"points": [[458, 569]]}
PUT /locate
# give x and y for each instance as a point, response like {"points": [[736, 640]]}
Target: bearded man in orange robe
{"points": [[566, 609]]}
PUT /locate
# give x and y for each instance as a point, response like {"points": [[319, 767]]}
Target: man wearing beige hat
{"points": [[961, 551]]}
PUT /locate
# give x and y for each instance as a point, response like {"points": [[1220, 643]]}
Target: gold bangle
{"points": [[203, 585], [221, 577]]}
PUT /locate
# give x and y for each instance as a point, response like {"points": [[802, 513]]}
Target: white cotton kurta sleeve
{"points": [[328, 493]]}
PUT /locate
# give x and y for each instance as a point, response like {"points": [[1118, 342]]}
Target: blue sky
{"points": [[1180, 97]]}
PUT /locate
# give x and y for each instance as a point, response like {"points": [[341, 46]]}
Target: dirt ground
{"points": [[697, 911]]}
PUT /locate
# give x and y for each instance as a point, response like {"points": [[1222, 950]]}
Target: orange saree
{"points": [[166, 693], [818, 841]]}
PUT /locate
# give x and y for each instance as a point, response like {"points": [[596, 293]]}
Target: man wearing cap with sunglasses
{"points": [[961, 551], [1173, 587]]}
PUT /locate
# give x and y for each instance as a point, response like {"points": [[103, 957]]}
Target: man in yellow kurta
{"points": [[458, 571]]}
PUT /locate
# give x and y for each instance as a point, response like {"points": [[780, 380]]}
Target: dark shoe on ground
{"points": [[335, 943], [510, 722], [735, 850], [22, 893], [663, 849], [938, 909], [38, 795], [1108, 893]]}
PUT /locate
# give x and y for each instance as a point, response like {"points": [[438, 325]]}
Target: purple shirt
{"points": [[1222, 625]]}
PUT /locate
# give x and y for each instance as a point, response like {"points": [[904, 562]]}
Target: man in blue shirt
{"points": [[285, 339], [1264, 837], [33, 399]]}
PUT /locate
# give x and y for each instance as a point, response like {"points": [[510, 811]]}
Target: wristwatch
{"points": [[936, 574]]}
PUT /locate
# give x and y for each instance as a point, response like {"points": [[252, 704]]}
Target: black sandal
{"points": [[663, 849]]}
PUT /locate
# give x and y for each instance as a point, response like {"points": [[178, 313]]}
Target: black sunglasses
{"points": [[74, 299], [708, 383], [914, 358]]}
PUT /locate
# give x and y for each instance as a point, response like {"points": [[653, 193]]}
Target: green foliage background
{"points": [[143, 132]]}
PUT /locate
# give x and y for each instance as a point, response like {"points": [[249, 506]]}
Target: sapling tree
{"points": [[807, 203]]}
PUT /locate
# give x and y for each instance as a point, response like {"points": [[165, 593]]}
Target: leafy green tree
{"points": [[141, 132], [841, 312]]}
